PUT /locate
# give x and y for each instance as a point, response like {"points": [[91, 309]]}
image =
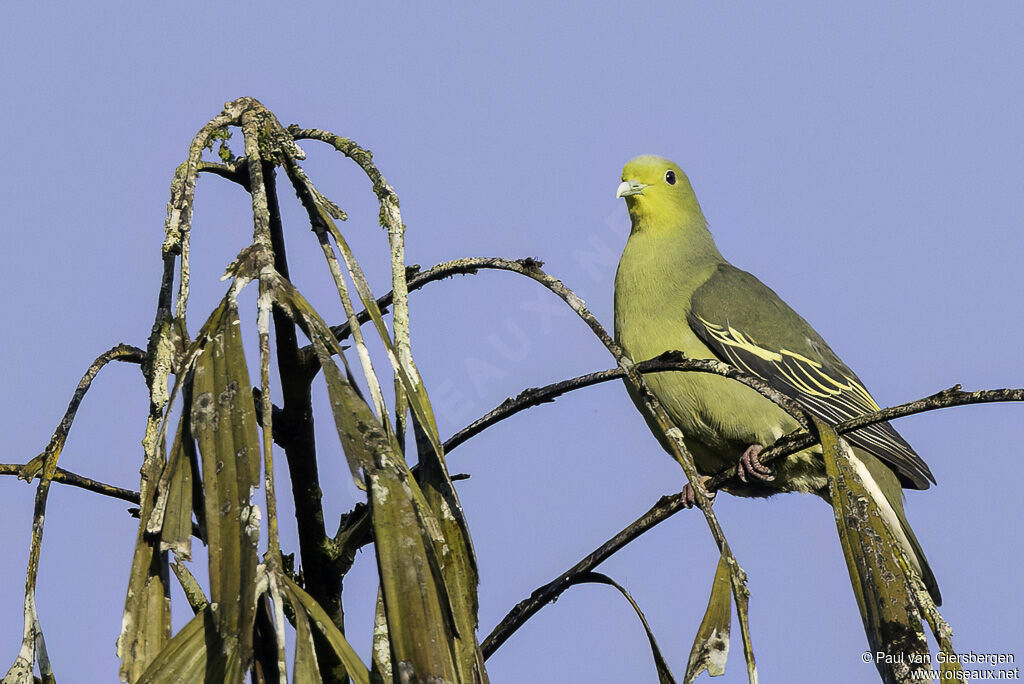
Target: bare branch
{"points": [[121, 352], [67, 477], [954, 396], [669, 505], [669, 361], [46, 465], [179, 209], [649, 404], [237, 172], [193, 592], [666, 507], [416, 280]]}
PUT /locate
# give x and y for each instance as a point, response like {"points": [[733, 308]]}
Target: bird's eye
{"points": [[670, 177]]}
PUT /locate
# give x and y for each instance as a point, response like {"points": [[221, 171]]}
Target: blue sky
{"points": [[864, 161]]}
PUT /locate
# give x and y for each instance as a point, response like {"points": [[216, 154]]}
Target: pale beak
{"points": [[629, 188]]}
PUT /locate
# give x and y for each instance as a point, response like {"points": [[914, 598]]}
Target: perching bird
{"points": [[674, 290]]}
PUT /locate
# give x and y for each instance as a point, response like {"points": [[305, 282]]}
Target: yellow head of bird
{"points": [[657, 193]]}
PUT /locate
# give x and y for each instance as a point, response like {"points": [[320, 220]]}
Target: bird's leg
{"points": [[750, 469], [689, 498]]}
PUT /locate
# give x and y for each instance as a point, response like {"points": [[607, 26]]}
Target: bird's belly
{"points": [[720, 417]]}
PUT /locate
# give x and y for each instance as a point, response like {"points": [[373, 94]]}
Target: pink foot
{"points": [[750, 469], [689, 498]]}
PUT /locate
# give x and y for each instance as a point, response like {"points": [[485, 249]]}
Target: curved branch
{"points": [[178, 225], [670, 504], [416, 279], [666, 507], [669, 361], [649, 405], [364, 159], [122, 352], [531, 268], [46, 465]]}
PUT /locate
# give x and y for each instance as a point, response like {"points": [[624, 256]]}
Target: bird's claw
{"points": [[750, 469], [690, 498]]}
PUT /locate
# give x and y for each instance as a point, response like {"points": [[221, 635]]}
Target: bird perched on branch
{"points": [[675, 291]]}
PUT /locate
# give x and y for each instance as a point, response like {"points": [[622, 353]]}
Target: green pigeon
{"points": [[675, 291]]}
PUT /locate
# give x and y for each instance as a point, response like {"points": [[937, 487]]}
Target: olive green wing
{"points": [[747, 325]]}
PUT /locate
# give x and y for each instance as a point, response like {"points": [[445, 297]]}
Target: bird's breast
{"points": [[719, 417]]}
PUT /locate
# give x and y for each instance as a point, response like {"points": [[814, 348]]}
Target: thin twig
{"points": [[670, 504], [525, 609], [416, 279], [947, 398], [67, 477], [193, 591], [125, 353], [122, 352], [650, 403], [669, 361], [179, 209], [236, 172], [46, 466]]}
